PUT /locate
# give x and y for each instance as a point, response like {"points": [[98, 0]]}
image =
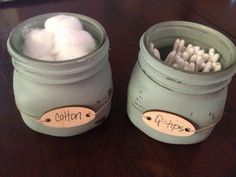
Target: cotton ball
{"points": [[47, 57], [58, 22], [71, 53], [73, 44], [38, 44], [79, 39]]}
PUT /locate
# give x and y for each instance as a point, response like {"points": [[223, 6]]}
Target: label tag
{"points": [[168, 123], [67, 117]]}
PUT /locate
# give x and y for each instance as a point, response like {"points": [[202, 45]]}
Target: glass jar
{"points": [[69, 88], [171, 96]]}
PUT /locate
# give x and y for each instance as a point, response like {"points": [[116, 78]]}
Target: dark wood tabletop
{"points": [[116, 148]]}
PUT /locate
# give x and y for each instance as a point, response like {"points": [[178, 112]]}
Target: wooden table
{"points": [[116, 148]]}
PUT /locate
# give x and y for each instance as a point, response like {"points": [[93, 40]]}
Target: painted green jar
{"points": [[62, 98], [175, 106]]}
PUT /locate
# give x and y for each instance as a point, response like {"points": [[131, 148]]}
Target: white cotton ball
{"points": [[71, 53], [71, 41], [47, 57], [58, 22], [38, 43], [62, 39], [79, 39]]}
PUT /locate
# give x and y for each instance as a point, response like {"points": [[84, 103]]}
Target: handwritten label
{"points": [[67, 117], [168, 123]]}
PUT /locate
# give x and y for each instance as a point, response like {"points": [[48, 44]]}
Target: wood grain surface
{"points": [[116, 148]]}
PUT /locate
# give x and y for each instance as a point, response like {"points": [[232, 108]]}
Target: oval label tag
{"points": [[67, 117], [168, 123]]}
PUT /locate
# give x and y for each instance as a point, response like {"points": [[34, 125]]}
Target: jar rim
{"points": [[15, 52], [177, 74]]}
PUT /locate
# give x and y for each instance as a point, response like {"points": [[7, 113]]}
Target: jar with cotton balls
{"points": [[178, 87], [62, 77]]}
